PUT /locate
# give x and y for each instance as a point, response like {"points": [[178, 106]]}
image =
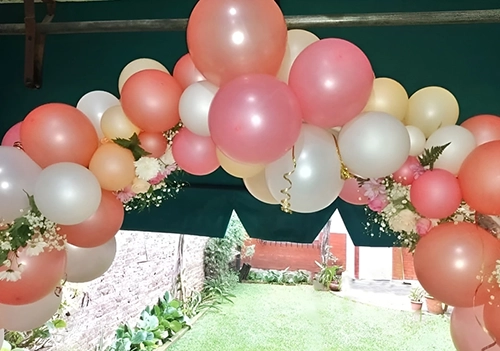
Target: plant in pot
{"points": [[327, 278], [435, 306], [417, 295]]}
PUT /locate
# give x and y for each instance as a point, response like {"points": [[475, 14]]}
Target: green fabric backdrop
{"points": [[465, 59]]}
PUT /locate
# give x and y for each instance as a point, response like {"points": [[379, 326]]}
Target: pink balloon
{"points": [[467, 331], [255, 119], [333, 80], [13, 135], [194, 154], [407, 173], [352, 193], [436, 194], [186, 73]]}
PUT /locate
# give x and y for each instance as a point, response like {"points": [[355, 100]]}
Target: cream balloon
{"points": [[115, 124], [237, 169], [22, 318], [94, 104], [86, 264], [257, 187], [316, 181], [462, 142], [194, 106], [138, 65], [431, 108], [417, 140], [374, 144], [388, 96], [298, 40]]}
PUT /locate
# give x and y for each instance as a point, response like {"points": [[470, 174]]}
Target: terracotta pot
{"points": [[416, 306], [334, 286], [435, 306]]}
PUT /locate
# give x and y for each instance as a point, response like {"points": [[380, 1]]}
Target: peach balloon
{"points": [[467, 330], [154, 143], [185, 73], [298, 40], [238, 169], [101, 227], [40, 276], [431, 108], [150, 100], [451, 259], [485, 128], [257, 187], [230, 38], [113, 166], [478, 178], [115, 124], [352, 193], [388, 96], [55, 132], [138, 65], [492, 315]]}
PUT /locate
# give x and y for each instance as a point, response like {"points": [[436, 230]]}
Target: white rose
{"points": [[140, 186], [403, 221], [147, 168]]}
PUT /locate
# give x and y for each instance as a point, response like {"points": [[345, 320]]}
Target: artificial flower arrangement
{"points": [[390, 208], [32, 233], [157, 179]]}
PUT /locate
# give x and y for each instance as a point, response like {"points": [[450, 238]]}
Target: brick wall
{"points": [[142, 271], [402, 264]]}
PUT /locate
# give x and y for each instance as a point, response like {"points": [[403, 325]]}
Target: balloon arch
{"points": [[301, 120]]}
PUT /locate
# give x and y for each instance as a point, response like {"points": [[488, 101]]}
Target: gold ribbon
{"points": [[285, 203], [344, 171], [18, 145]]}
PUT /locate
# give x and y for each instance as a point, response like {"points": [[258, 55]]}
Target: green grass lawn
{"points": [[297, 318]]}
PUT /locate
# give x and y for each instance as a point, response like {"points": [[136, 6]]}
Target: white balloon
{"points": [[374, 144], [462, 142], [417, 140], [27, 317], [94, 104], [67, 193], [316, 182], [194, 106], [86, 264]]}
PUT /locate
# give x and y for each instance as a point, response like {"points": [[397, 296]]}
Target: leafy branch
{"points": [[134, 145], [430, 156]]}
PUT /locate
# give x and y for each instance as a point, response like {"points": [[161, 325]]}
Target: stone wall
{"points": [[143, 270]]}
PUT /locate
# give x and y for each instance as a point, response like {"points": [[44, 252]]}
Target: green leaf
{"points": [[59, 324], [176, 326], [430, 156], [175, 303], [133, 144], [139, 337]]}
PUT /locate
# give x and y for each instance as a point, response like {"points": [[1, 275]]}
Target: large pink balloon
{"points": [[436, 194], [229, 38], [255, 119], [467, 330], [13, 135], [333, 80], [353, 193], [194, 154]]}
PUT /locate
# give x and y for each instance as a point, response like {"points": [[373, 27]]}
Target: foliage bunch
{"points": [[283, 277]]}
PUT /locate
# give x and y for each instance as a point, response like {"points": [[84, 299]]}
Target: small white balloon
{"points": [[417, 140], [316, 182], [67, 193], [87, 264], [194, 106], [462, 142], [374, 144], [94, 104], [22, 318]]}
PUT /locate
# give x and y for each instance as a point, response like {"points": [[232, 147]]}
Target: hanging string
{"points": [[285, 203], [344, 171]]}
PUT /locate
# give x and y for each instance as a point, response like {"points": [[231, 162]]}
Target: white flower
{"points": [[404, 221], [34, 248], [140, 186], [10, 275], [167, 157], [5, 246], [7, 263], [147, 168]]}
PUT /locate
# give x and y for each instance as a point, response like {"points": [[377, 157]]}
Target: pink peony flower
{"points": [[378, 203], [423, 226], [158, 179], [125, 195], [373, 188], [417, 170]]}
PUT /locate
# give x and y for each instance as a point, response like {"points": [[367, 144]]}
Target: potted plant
{"points": [[327, 278], [417, 295], [435, 306]]}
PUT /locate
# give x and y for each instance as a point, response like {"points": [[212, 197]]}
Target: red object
{"points": [[154, 143], [13, 135], [54, 133], [194, 154], [492, 316], [150, 99], [467, 330], [101, 227], [186, 73], [353, 193], [485, 128], [406, 174]]}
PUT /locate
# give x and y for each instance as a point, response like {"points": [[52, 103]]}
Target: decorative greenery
{"points": [[283, 277], [328, 274], [417, 294], [430, 156], [133, 144]]}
